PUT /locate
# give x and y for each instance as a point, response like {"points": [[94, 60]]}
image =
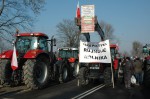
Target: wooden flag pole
{"points": [[112, 79]]}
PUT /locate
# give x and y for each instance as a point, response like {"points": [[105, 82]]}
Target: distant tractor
{"points": [[146, 68], [35, 61], [99, 71], [115, 60], [92, 71], [66, 64]]}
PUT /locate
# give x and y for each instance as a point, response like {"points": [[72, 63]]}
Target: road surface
{"points": [[70, 90]]}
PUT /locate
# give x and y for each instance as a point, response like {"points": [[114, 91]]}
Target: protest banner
{"points": [[87, 18], [98, 52]]}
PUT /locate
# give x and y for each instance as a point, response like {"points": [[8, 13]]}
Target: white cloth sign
{"points": [[95, 52], [87, 18]]}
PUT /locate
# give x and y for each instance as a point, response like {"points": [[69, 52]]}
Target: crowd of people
{"points": [[132, 67]]}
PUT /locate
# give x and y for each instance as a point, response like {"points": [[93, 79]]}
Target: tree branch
{"points": [[2, 8]]}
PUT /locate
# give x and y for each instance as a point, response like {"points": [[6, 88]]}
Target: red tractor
{"points": [[115, 58], [93, 71], [35, 61], [66, 64], [99, 71]]}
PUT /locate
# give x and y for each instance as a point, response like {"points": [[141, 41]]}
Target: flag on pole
{"points": [[14, 63], [78, 11], [117, 46]]}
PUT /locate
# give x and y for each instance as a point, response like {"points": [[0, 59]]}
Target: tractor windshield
{"points": [[24, 43], [145, 50], [75, 53], [65, 53], [112, 51], [68, 53]]}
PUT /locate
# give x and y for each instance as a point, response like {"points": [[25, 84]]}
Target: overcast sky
{"points": [[129, 18]]}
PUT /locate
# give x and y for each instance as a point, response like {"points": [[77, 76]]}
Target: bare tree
{"points": [[35, 5], [17, 14], [109, 32], [137, 48], [2, 7], [68, 33], [4, 45]]}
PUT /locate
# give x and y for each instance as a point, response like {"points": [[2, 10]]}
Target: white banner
{"points": [[98, 52], [87, 18], [87, 10]]}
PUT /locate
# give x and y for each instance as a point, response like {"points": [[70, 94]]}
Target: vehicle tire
{"points": [[36, 73], [5, 71], [83, 77], [74, 66], [64, 75], [107, 76]]}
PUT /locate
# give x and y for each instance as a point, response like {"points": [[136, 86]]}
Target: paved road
{"points": [[70, 90], [54, 91], [119, 92]]}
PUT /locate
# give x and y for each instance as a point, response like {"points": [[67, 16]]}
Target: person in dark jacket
{"points": [[127, 73], [138, 66], [122, 65]]}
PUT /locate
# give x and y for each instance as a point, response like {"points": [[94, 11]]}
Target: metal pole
{"points": [[52, 43]]}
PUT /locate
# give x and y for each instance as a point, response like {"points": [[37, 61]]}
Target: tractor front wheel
{"points": [[107, 76], [83, 79], [36, 73], [64, 75], [75, 68]]}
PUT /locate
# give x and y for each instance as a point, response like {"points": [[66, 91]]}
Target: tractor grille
{"points": [[20, 55], [94, 70]]}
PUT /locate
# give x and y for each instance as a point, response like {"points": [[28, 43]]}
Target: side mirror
{"points": [[13, 42], [54, 42]]}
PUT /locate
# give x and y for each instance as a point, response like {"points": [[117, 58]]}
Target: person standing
{"points": [[116, 65], [122, 65], [138, 71], [127, 73]]}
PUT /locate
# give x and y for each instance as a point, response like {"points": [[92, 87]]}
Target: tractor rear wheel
{"points": [[5, 72], [64, 76], [36, 73], [83, 76], [107, 76]]}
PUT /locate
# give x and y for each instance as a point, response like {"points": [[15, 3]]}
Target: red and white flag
{"points": [[117, 46], [78, 11], [14, 62]]}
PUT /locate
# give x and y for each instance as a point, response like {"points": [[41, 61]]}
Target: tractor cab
{"points": [[114, 51], [115, 55], [146, 50], [115, 59], [68, 53], [31, 41]]}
